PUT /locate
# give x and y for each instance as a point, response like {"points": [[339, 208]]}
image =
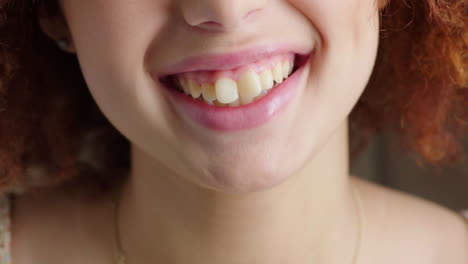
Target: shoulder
{"points": [[54, 218], [38, 217], [412, 230]]}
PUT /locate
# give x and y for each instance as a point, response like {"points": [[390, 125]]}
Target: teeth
{"points": [[235, 103], [263, 93], [226, 90], [208, 92], [286, 69], [249, 86], [278, 73], [194, 88], [217, 103], [184, 85], [266, 79]]}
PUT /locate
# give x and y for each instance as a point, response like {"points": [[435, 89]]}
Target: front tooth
{"points": [[266, 78], [208, 92], [278, 73], [235, 103], [217, 103], [226, 90], [249, 87], [286, 69], [195, 89]]}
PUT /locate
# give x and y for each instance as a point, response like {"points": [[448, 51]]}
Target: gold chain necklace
{"points": [[120, 255]]}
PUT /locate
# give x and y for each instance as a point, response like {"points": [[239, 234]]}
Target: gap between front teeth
{"points": [[249, 87]]}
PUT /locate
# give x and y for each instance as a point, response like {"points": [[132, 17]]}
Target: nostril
{"points": [[219, 15], [210, 25]]}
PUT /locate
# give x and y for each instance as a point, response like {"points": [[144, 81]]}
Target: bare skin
{"points": [[398, 228], [279, 193], [401, 229]]}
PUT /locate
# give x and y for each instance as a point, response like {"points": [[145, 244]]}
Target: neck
{"points": [[309, 217]]}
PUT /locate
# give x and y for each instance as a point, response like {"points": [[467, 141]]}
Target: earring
{"points": [[63, 44]]}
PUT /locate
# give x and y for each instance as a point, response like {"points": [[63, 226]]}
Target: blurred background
{"points": [[384, 164]]}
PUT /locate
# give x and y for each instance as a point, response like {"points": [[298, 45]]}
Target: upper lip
{"points": [[230, 60]]}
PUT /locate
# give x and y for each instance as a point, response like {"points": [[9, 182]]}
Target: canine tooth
{"points": [[278, 73], [266, 78], [291, 67], [195, 89], [286, 69], [248, 86], [208, 92], [184, 85], [226, 90]]}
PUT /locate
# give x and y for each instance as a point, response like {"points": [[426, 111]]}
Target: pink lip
{"points": [[243, 117], [228, 61]]}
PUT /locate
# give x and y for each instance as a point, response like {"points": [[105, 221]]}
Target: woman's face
{"points": [[127, 49]]}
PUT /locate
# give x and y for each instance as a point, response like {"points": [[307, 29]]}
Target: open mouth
{"points": [[236, 87]]}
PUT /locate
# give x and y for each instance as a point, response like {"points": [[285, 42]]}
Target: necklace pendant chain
{"points": [[121, 259]]}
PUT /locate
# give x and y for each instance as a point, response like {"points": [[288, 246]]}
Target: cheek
{"points": [[113, 35], [349, 32], [344, 62], [111, 38], [350, 21]]}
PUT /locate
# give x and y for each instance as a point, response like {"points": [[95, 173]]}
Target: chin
{"points": [[242, 177]]}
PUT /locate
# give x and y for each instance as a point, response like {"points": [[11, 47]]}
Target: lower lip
{"points": [[238, 118]]}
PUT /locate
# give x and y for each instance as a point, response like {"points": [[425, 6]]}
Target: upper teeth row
{"points": [[248, 87]]}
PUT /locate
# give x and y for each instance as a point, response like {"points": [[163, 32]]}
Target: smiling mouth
{"points": [[236, 87]]}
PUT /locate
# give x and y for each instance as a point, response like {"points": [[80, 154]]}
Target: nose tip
{"points": [[218, 15]]}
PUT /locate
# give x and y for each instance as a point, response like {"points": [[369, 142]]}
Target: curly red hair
{"points": [[419, 87], [50, 125]]}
